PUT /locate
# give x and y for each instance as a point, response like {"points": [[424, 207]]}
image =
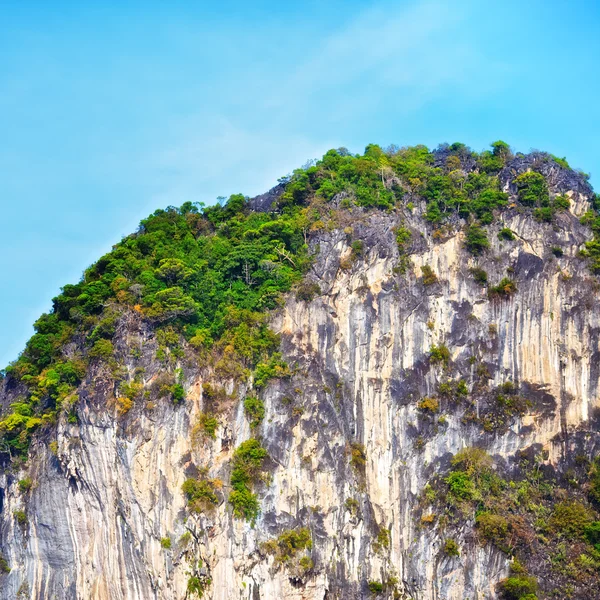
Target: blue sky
{"points": [[110, 110]]}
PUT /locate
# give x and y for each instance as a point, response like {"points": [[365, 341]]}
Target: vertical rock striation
{"points": [[350, 452]]}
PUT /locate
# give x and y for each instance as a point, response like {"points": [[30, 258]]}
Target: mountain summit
{"points": [[378, 380]]}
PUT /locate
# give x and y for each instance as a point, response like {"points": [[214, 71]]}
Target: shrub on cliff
{"points": [[4, 566], [255, 410], [505, 288], [288, 544], [201, 492], [476, 240], [439, 354], [247, 462], [532, 189]]}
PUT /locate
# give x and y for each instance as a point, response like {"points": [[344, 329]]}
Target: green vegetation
{"points": [[571, 519], [201, 492], [102, 349], [306, 564], [206, 425], [561, 161], [591, 249], [375, 587], [429, 277], [177, 393], [532, 189], [21, 517], [468, 480], [507, 403], [206, 277], [439, 354], [197, 586], [25, 485], [247, 462], [495, 159], [165, 543], [403, 238], [451, 548], [479, 275], [453, 390], [274, 367], [382, 541], [185, 538], [506, 234], [306, 291], [526, 515], [492, 528], [520, 585], [352, 505], [428, 405], [503, 289], [594, 482], [4, 566], [255, 410], [358, 456], [288, 544], [476, 240]]}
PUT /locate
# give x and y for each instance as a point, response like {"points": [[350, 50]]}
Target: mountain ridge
{"points": [[378, 379]]}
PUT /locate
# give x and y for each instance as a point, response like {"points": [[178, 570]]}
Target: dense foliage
{"points": [[208, 275], [247, 462], [548, 523], [212, 274]]}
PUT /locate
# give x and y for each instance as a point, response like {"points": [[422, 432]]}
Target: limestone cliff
{"points": [[351, 446]]}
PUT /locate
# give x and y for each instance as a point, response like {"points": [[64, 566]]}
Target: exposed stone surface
{"points": [[99, 508]]}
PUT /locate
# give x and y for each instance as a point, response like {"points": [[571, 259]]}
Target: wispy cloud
{"points": [[416, 51], [404, 56], [210, 156]]}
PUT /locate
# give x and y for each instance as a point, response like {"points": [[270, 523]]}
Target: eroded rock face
{"points": [[109, 491]]}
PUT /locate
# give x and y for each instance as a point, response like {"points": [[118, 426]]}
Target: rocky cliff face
{"points": [[350, 445]]}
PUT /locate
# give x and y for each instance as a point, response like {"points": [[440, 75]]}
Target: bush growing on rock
{"points": [[358, 457], [506, 234], [532, 189], [492, 528], [570, 519], [4, 566], [375, 587], [439, 354], [21, 517], [479, 275], [429, 277], [247, 462], [102, 349], [255, 410], [165, 543], [451, 548], [429, 404], [505, 288], [25, 485], [307, 291], [201, 493], [288, 544], [476, 240]]}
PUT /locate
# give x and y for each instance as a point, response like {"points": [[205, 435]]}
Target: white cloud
{"points": [[416, 51], [207, 157], [394, 58]]}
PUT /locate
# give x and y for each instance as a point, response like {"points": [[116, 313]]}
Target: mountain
{"points": [[378, 380]]}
